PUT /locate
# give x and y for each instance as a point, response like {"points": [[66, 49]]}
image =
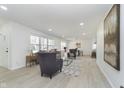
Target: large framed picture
{"points": [[112, 37]]}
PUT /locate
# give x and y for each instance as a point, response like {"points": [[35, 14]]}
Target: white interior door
{"points": [[3, 51]]}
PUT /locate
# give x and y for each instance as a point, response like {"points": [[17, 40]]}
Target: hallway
{"points": [[90, 76]]}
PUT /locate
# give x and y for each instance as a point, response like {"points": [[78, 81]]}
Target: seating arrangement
{"points": [[49, 63]]}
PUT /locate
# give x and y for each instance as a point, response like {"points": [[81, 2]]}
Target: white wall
{"points": [[115, 78], [20, 42]]}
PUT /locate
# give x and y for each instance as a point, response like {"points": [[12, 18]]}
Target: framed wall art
{"points": [[112, 37]]}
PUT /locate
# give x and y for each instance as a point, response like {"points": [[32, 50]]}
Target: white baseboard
{"points": [[14, 68], [106, 76]]}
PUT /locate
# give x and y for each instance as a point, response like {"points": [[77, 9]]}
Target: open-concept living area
{"points": [[61, 46]]}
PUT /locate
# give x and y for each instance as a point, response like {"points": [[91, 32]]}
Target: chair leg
{"points": [[41, 73], [30, 64], [60, 70], [50, 76]]}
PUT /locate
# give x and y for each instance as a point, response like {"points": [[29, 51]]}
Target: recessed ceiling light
{"points": [[63, 36], [81, 24], [50, 30], [3, 7], [83, 34]]}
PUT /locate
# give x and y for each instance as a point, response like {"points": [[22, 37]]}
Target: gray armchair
{"points": [[49, 64]]}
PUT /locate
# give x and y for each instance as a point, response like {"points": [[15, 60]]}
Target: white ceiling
{"points": [[63, 19]]}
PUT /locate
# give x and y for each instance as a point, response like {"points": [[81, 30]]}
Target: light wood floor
{"points": [[90, 77]]}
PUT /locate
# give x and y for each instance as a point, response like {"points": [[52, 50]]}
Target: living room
{"points": [[23, 40], [41, 45]]}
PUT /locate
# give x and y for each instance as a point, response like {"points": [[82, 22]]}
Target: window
{"points": [[43, 43], [63, 44], [51, 44], [34, 41]]}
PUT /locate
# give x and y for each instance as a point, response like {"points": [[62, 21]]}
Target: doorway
{"points": [[3, 50]]}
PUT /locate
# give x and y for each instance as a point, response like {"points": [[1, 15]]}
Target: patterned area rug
{"points": [[73, 69]]}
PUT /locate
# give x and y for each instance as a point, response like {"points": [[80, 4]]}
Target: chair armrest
{"points": [[59, 60]]}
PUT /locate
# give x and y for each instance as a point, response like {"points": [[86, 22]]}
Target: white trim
{"points": [[17, 67], [106, 76]]}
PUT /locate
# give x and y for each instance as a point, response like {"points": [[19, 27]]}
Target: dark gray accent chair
{"points": [[72, 53], [49, 64]]}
